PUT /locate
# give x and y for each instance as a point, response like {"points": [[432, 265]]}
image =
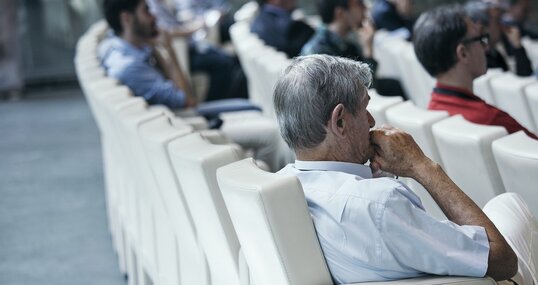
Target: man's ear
{"points": [[462, 54], [125, 19], [338, 12], [336, 122]]}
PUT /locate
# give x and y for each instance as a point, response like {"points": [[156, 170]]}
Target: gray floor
{"points": [[53, 227]]}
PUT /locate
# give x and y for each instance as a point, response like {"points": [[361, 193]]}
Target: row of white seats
{"points": [[518, 96], [169, 222], [262, 65], [483, 160]]}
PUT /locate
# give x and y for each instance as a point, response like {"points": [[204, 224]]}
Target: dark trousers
{"points": [[225, 74]]}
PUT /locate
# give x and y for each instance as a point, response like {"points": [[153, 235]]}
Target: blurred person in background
{"points": [[504, 38], [518, 14], [394, 16], [275, 26], [452, 48], [342, 18], [185, 18]]}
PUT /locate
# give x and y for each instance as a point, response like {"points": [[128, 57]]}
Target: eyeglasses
{"points": [[483, 39]]}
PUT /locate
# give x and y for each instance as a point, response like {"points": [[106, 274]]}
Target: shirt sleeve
{"points": [[148, 82], [418, 241]]}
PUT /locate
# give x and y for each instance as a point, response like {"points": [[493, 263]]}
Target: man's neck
{"points": [[338, 29], [133, 40], [456, 78]]}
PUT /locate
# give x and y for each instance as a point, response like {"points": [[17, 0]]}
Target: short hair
{"points": [[326, 8], [310, 88], [112, 10], [436, 35]]}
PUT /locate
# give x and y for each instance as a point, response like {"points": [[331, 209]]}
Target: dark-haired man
{"points": [[340, 19], [452, 47], [130, 57]]}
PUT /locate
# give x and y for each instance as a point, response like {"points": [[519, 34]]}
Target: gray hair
{"points": [[310, 88]]}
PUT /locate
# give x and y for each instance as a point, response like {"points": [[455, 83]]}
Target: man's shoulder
{"points": [[344, 185], [318, 44], [118, 61]]}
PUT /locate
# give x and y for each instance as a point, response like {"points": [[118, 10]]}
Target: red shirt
{"points": [[460, 101]]}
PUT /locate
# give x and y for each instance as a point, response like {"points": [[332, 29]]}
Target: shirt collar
{"points": [[143, 52], [347, 167], [460, 90]]}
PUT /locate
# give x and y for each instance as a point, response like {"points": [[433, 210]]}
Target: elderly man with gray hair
{"points": [[375, 229]]}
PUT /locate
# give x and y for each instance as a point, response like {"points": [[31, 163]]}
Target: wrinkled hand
{"points": [[395, 151], [514, 35]]}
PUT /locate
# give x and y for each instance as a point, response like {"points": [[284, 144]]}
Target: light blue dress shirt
{"points": [[376, 229], [135, 67]]}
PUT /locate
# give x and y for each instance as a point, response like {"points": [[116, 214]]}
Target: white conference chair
{"points": [[247, 12], [195, 162], [465, 149], [276, 232], [517, 158], [423, 82], [129, 122], [378, 105], [125, 205], [385, 64], [418, 123], [190, 263], [482, 85], [179, 257], [510, 97]]}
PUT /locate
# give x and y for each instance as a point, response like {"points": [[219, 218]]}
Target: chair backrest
{"points": [[531, 92], [423, 82], [129, 122], [247, 12], [181, 258], [195, 162], [385, 61], [273, 225], [156, 138], [465, 149], [482, 85], [378, 105], [517, 158], [510, 97], [417, 122]]}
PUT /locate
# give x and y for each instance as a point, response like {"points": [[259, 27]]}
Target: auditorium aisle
{"points": [[53, 227]]}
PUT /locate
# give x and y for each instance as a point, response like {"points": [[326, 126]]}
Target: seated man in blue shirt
{"points": [[276, 28], [131, 57], [375, 229]]}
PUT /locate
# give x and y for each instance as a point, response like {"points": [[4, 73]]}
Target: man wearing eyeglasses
{"points": [[452, 48]]}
